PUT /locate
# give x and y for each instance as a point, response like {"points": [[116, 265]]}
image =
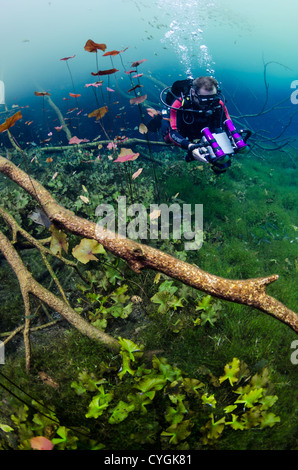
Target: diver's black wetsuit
{"points": [[185, 127]]}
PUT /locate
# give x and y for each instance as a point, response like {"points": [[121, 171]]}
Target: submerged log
{"points": [[251, 292]]}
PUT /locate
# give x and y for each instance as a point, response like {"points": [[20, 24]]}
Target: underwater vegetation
{"points": [[133, 359]]}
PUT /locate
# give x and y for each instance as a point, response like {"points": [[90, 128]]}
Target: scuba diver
{"points": [[199, 122]]}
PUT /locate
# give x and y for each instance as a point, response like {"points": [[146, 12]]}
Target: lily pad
{"points": [[85, 251]]}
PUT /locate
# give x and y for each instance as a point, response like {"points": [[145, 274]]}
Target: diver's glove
{"points": [[189, 157]]}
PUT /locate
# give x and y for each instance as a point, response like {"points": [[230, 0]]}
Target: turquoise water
{"points": [[226, 38]]}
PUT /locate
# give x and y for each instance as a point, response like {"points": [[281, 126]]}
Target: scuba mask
{"points": [[206, 104]]}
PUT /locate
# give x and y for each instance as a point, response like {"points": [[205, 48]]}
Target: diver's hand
{"points": [[189, 156], [201, 154]]}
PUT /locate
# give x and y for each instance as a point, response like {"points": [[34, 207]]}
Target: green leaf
{"points": [[192, 385], [87, 248], [169, 372], [99, 403], [175, 415], [163, 299], [212, 430], [174, 302], [120, 412], [235, 424], [230, 408], [204, 303], [231, 370], [269, 419], [178, 431], [5, 428], [129, 346], [167, 286], [151, 383], [58, 241], [21, 415], [268, 401], [249, 399], [100, 323], [140, 400], [208, 400], [125, 366], [113, 275]]}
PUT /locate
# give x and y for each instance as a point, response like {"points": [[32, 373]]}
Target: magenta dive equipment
{"points": [[239, 142]]}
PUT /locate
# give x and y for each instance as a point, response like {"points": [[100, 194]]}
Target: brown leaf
{"points": [[98, 113], [111, 53], [138, 99], [143, 129], [104, 72], [92, 46], [10, 121], [41, 93], [48, 380]]}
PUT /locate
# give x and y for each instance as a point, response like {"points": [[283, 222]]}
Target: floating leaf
{"points": [[112, 53], [41, 93], [85, 251], [134, 88], [105, 72], [67, 58], [98, 113], [84, 199], [75, 140], [58, 241], [92, 46], [137, 173], [138, 62], [126, 155], [154, 214], [96, 84], [10, 121], [138, 99], [143, 129], [152, 112], [41, 443]]}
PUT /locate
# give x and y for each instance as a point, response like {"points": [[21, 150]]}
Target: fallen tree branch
{"points": [[29, 285], [250, 292], [89, 145]]}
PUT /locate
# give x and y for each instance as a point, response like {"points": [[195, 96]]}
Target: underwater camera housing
{"points": [[224, 143]]}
